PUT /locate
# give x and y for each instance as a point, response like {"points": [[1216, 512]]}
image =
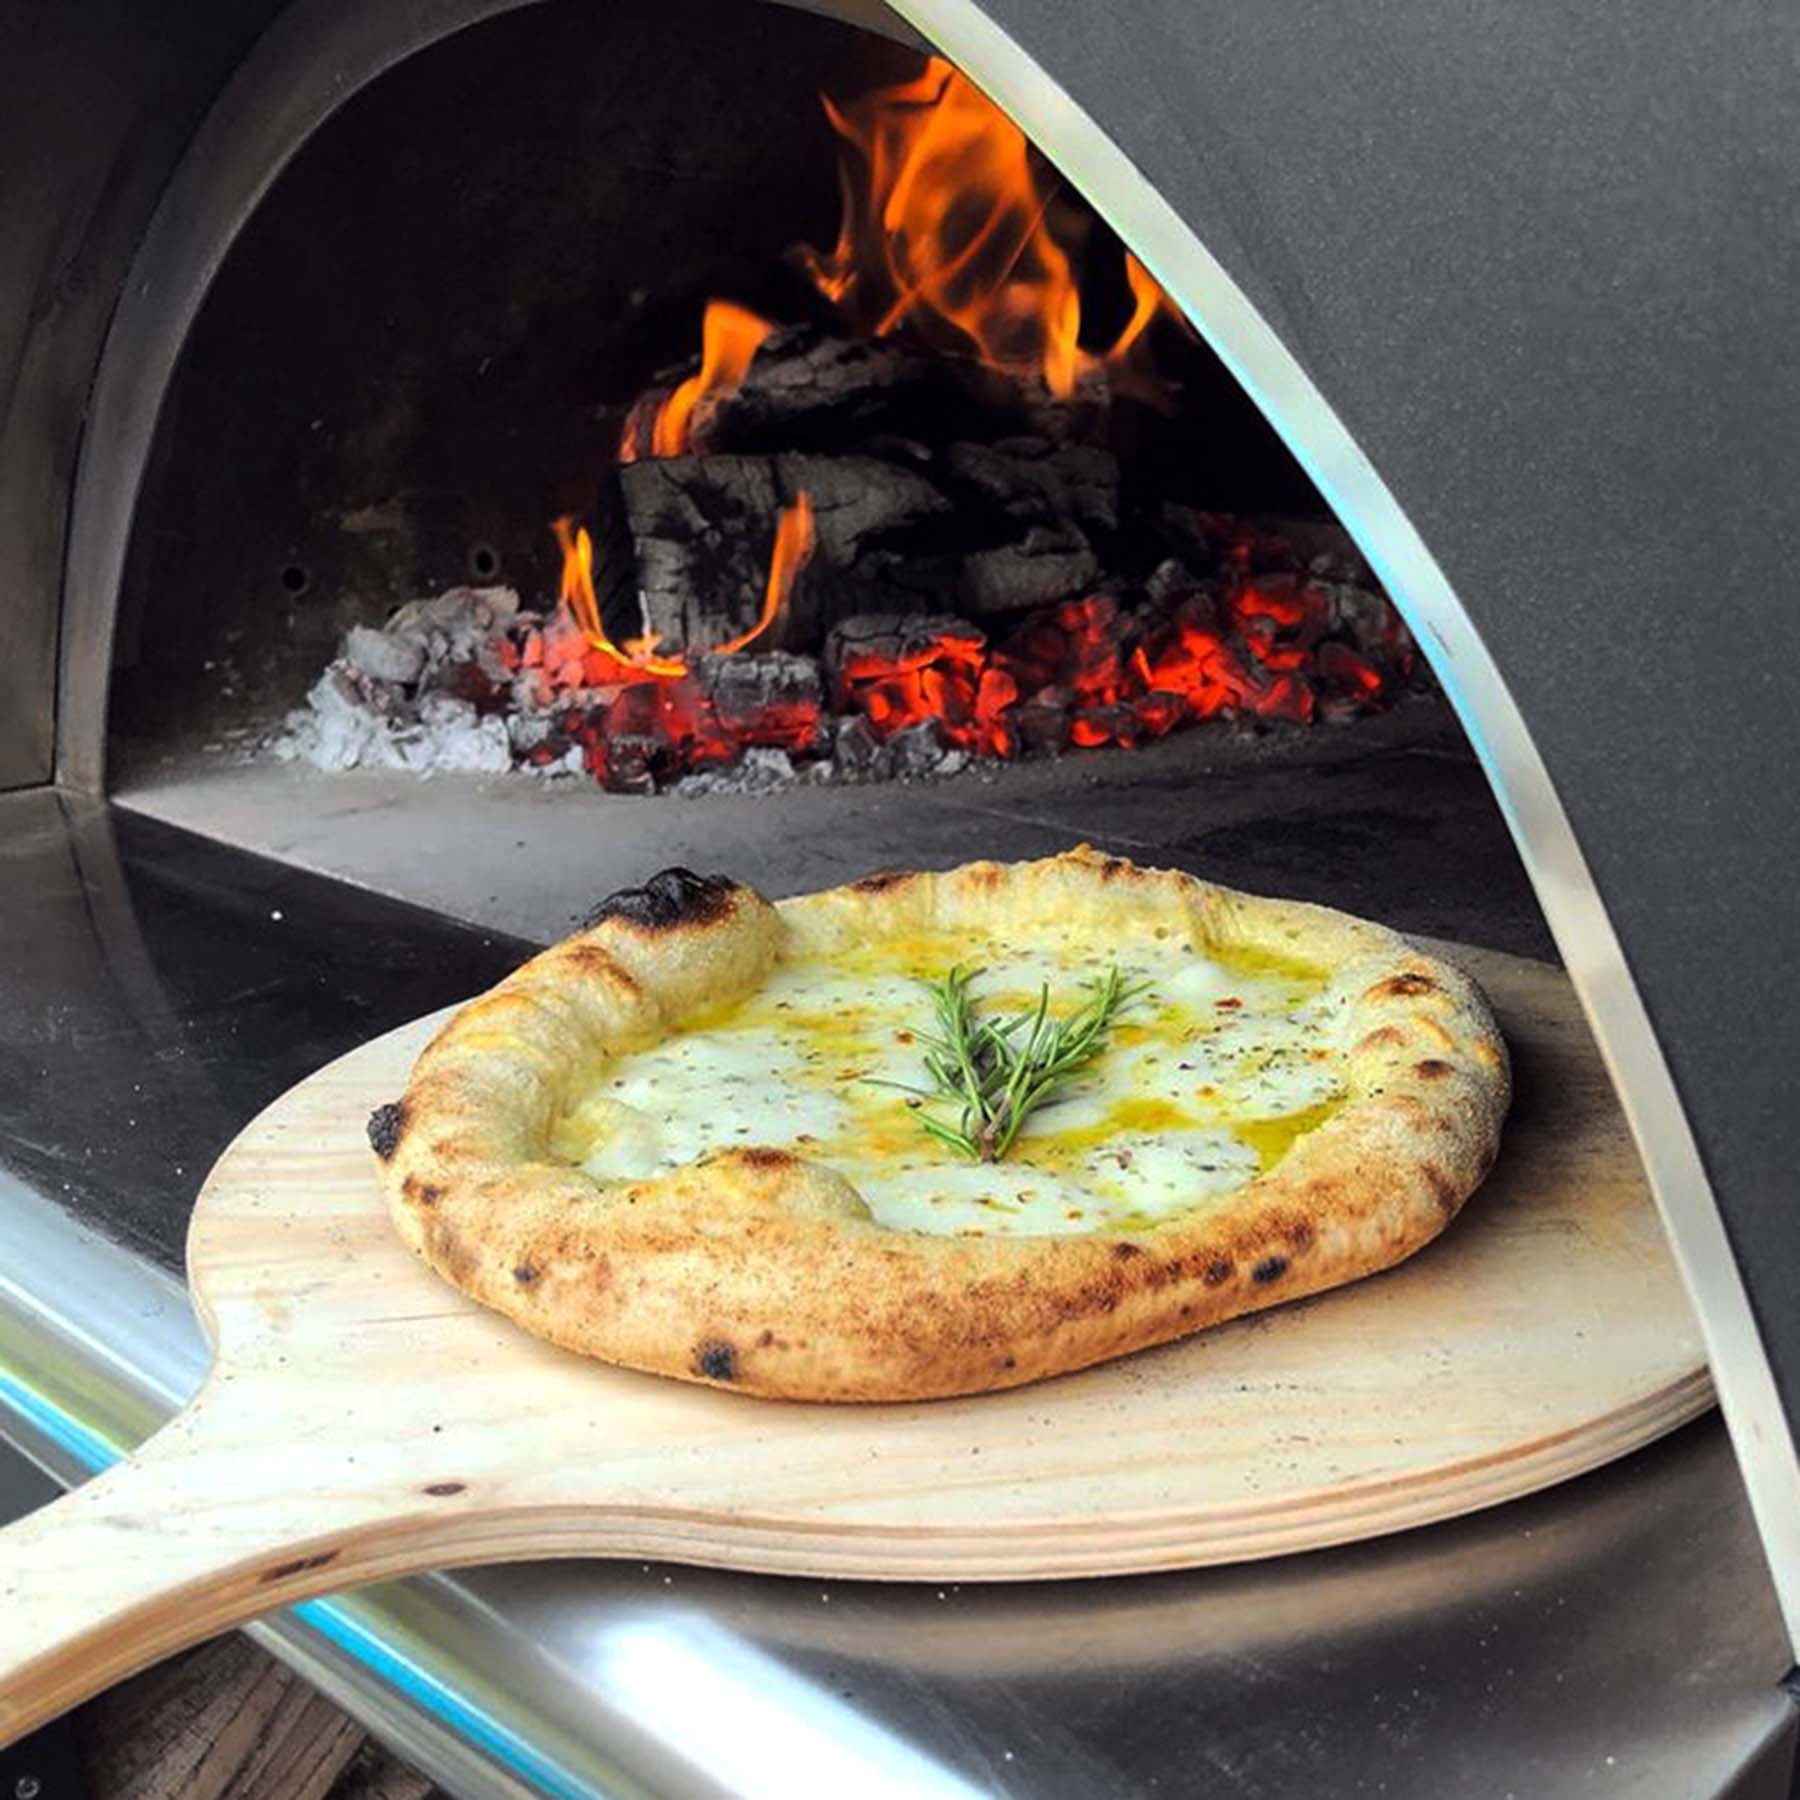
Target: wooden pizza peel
{"points": [[362, 1420]]}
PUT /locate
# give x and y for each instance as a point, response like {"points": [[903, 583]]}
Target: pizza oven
{"points": [[463, 457]]}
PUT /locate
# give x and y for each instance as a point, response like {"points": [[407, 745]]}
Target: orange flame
{"points": [[577, 594], [794, 543], [795, 540], [948, 228], [730, 337]]}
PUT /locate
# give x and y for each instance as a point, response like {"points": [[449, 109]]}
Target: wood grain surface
{"points": [[363, 1420], [228, 1722]]}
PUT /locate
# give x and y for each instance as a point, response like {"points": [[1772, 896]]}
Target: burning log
{"points": [[809, 389], [770, 699], [995, 528], [804, 390], [700, 528]]}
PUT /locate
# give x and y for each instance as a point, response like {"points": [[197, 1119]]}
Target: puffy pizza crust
{"points": [[757, 1270]]}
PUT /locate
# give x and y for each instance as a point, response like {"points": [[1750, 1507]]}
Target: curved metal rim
{"points": [[1573, 908]]}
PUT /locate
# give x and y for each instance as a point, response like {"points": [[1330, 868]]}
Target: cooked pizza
{"points": [[935, 1134]]}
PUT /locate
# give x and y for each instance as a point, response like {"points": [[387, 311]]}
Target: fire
{"points": [[948, 227], [946, 231], [730, 336], [1259, 642], [794, 542], [577, 594], [795, 539]]}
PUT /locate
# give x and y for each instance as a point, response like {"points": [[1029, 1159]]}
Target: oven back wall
{"points": [[100, 100], [403, 370]]}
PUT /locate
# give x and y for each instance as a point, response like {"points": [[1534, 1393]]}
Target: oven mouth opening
{"points": [[573, 442]]}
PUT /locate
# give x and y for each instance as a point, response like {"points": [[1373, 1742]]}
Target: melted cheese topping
{"points": [[1205, 1081]]}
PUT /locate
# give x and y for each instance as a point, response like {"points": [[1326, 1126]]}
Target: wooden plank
{"points": [[364, 1421], [228, 1722]]}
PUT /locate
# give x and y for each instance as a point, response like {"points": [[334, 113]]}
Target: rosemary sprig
{"points": [[998, 1071]]}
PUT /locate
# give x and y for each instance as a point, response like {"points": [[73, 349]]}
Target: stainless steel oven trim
{"points": [[1573, 908]]}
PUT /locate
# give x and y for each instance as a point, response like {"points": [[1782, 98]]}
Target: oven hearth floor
{"points": [[1392, 818]]}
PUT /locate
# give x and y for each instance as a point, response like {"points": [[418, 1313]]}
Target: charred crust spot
{"points": [[762, 1156], [1009, 1362], [1219, 1271], [1443, 1188], [590, 959], [1300, 1239], [419, 1192], [1381, 1038], [716, 1360], [1271, 1268], [442, 1490], [386, 1123], [524, 1273], [1405, 986], [669, 899], [445, 1247], [1113, 868], [1432, 1069], [882, 880], [764, 1338], [1125, 1252], [299, 1566]]}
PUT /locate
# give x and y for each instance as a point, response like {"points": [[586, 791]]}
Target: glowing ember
{"points": [[472, 681], [1088, 672], [1268, 644], [947, 228]]}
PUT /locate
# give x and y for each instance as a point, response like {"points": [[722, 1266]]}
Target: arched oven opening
{"points": [[786, 424]]}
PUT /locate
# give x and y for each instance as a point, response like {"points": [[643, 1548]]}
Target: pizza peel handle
{"points": [[208, 1525]]}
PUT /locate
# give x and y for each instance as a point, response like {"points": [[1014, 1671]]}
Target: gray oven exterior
{"points": [[1518, 289]]}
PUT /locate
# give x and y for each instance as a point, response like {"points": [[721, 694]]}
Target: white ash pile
{"points": [[419, 693], [473, 682]]}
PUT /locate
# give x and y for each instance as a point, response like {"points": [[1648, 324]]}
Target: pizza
{"points": [[701, 1137]]}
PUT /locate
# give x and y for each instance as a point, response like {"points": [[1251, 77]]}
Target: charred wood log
{"points": [[809, 389], [702, 528], [762, 697], [989, 528]]}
